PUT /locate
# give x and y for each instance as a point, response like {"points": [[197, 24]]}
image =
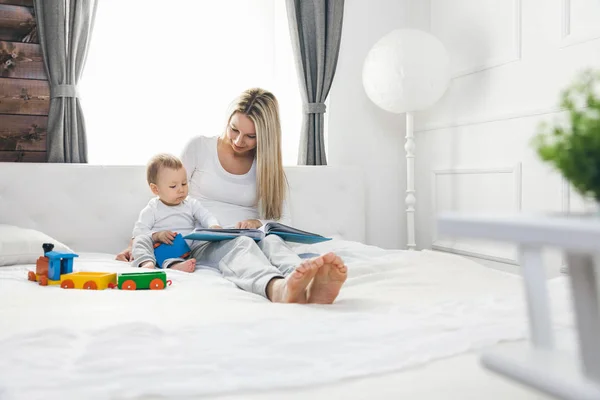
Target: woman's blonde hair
{"points": [[262, 108]]}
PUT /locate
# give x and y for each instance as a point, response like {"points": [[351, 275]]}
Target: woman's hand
{"points": [[215, 227], [164, 237], [248, 224], [125, 255]]}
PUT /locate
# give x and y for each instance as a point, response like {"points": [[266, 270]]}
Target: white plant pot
{"points": [[594, 210]]}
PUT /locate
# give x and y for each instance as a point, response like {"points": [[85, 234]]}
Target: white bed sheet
{"points": [[202, 336]]}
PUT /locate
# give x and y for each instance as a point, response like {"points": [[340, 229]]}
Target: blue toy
{"points": [[163, 251], [59, 264]]}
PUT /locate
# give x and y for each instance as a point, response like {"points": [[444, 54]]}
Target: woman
{"points": [[239, 177]]}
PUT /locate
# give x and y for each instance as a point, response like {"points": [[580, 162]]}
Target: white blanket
{"points": [[203, 336]]}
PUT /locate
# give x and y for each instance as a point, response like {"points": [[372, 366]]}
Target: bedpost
{"points": [[411, 200]]}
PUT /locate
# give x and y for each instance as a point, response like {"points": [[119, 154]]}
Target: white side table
{"points": [[539, 364]]}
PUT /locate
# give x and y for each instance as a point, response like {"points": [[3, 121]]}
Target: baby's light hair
{"points": [[160, 161]]}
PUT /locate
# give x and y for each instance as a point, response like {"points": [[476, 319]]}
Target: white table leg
{"points": [[587, 315], [534, 277]]}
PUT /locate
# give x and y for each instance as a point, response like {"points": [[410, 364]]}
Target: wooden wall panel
{"points": [[26, 3], [17, 24], [24, 91], [21, 60], [23, 156], [24, 96], [23, 132]]}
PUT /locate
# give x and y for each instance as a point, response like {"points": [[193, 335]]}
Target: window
{"points": [[161, 72]]}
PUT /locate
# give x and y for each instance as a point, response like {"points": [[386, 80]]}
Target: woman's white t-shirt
{"points": [[230, 197]]}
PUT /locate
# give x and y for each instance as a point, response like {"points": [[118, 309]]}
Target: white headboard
{"points": [[93, 208]]}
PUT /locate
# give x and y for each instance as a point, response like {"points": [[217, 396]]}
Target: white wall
{"points": [[510, 60], [359, 133]]}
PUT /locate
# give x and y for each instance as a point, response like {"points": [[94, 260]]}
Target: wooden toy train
{"points": [[55, 268]]}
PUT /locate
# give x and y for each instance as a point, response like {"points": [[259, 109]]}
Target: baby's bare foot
{"points": [[185, 266], [329, 279], [148, 264], [292, 289]]}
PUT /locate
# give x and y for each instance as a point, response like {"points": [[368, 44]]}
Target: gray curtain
{"points": [[316, 31], [65, 28]]}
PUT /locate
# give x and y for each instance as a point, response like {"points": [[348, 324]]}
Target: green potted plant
{"points": [[572, 145]]}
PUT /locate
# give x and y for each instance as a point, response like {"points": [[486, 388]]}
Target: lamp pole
{"points": [[411, 200], [394, 81]]}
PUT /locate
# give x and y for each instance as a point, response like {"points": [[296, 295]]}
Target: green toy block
{"points": [[143, 280]]}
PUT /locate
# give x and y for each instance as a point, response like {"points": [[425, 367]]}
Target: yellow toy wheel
{"points": [[157, 284], [43, 280], [31, 276], [67, 284], [90, 285], [128, 285]]}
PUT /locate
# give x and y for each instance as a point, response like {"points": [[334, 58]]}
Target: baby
{"points": [[171, 212]]}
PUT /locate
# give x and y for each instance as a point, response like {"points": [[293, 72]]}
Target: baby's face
{"points": [[172, 185]]}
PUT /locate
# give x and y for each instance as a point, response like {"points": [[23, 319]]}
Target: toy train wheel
{"points": [[157, 284], [43, 280], [90, 285], [31, 276], [128, 285], [67, 284]]}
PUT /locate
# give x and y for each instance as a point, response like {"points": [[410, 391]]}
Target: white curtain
{"points": [[157, 75]]}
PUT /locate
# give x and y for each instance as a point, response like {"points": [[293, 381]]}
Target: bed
{"points": [[407, 323]]}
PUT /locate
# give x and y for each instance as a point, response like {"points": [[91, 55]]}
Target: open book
{"points": [[270, 228]]}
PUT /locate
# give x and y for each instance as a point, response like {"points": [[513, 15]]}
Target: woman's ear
{"points": [[154, 188]]}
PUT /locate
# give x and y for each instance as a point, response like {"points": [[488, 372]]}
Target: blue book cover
{"points": [[300, 238], [287, 233], [203, 234]]}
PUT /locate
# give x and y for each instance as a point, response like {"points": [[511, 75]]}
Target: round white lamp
{"points": [[407, 70]]}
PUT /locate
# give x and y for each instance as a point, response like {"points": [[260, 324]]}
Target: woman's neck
{"points": [[232, 162], [225, 147]]}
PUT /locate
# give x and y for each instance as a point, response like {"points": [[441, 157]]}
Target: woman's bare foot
{"points": [[292, 289], [185, 266], [328, 280], [148, 264]]}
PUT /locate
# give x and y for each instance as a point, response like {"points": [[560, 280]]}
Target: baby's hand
{"points": [[164, 237], [215, 227]]}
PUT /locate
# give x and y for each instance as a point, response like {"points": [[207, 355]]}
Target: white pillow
{"points": [[24, 246]]}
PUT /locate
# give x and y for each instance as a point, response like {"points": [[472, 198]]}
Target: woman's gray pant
{"points": [[243, 261]]}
